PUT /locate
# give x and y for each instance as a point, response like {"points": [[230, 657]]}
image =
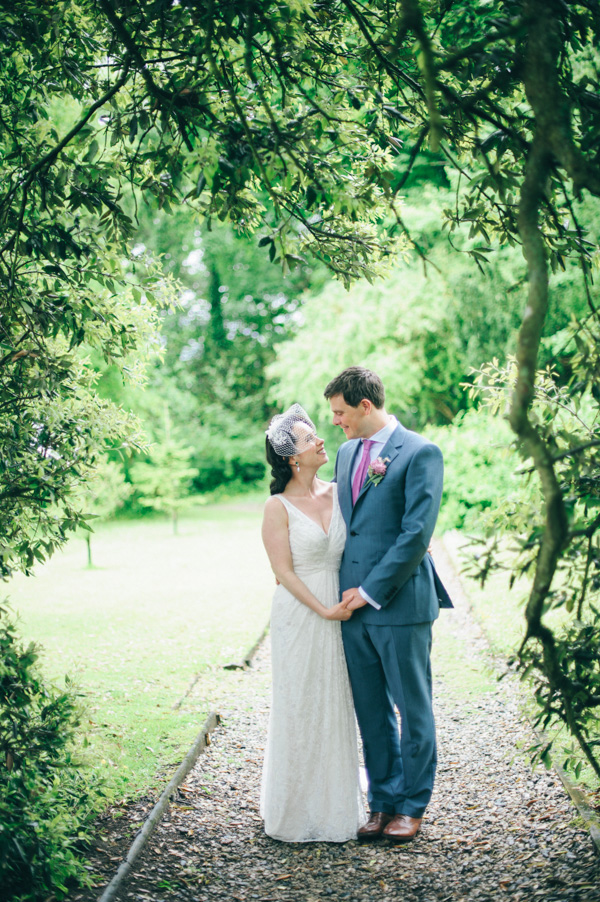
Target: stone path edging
{"points": [[582, 804], [202, 740], [140, 842], [250, 654]]}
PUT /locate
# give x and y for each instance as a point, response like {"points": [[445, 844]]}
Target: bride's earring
{"points": [[297, 466]]}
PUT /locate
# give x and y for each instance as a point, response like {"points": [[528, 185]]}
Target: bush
{"points": [[229, 450], [479, 467], [45, 799]]}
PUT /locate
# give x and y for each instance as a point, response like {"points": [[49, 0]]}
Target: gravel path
{"points": [[494, 829]]}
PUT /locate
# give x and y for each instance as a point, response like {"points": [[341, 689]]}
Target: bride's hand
{"points": [[338, 612]]}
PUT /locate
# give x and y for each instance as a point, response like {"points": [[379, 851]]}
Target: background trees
{"points": [[234, 308], [304, 123]]}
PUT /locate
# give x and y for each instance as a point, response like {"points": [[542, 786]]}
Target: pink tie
{"points": [[361, 473]]}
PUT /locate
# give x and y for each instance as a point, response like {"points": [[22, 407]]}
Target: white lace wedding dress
{"points": [[310, 787]]}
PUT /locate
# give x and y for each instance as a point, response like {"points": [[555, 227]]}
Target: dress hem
{"points": [[299, 841]]}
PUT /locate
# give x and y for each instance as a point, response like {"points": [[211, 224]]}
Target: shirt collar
{"points": [[384, 434]]}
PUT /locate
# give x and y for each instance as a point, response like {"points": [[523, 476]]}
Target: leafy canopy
{"points": [[302, 120]]}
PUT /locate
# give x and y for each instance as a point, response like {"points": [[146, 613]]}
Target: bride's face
{"points": [[311, 449]]}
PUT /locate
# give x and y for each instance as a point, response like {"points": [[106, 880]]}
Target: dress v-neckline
{"points": [[310, 519]]}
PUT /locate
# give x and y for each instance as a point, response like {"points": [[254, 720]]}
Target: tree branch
{"points": [[413, 21], [548, 101], [52, 154]]}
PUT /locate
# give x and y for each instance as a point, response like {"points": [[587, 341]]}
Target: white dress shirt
{"points": [[380, 439]]}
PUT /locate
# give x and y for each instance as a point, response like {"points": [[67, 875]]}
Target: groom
{"points": [[389, 489]]}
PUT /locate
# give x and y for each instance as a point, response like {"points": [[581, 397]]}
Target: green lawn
{"points": [[134, 632], [159, 611], [499, 609]]}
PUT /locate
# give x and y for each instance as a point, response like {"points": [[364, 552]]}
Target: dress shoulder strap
{"points": [[287, 504]]}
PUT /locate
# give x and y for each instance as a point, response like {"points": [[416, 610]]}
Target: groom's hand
{"points": [[352, 599]]}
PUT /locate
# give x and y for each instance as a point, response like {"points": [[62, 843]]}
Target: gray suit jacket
{"points": [[389, 529]]}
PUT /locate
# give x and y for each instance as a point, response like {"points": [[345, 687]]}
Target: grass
{"points": [[159, 612], [500, 610], [465, 679], [461, 676], [500, 613], [155, 612]]}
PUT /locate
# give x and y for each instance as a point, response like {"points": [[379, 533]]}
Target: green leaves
{"points": [[44, 802], [311, 196], [566, 669], [162, 481], [310, 112], [302, 122]]}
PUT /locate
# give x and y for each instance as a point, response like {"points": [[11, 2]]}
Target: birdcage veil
{"points": [[283, 437]]}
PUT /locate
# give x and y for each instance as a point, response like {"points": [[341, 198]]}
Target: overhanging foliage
{"points": [[302, 120]]}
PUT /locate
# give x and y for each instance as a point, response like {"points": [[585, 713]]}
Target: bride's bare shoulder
{"points": [[274, 507]]}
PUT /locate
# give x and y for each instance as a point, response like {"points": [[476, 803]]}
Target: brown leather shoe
{"points": [[374, 827], [402, 828]]}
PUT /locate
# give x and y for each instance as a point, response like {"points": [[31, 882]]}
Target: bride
{"points": [[310, 787]]}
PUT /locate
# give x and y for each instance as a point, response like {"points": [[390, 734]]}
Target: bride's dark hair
{"points": [[280, 469]]}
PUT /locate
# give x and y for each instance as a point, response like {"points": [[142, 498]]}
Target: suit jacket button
{"points": [[353, 533]]}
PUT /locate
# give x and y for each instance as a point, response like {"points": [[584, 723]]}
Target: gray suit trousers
{"points": [[391, 665]]}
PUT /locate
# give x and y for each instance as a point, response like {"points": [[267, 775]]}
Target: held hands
{"points": [[338, 612], [352, 599]]}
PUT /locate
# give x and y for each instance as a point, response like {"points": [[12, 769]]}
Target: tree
{"points": [[53, 427], [235, 309], [163, 480], [567, 415], [103, 494], [303, 120], [422, 332]]}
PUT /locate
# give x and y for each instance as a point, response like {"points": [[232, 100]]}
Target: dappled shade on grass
{"points": [[135, 631]]}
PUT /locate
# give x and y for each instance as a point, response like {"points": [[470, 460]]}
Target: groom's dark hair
{"points": [[357, 383]]}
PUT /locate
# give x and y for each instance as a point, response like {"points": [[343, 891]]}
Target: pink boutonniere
{"points": [[377, 470]]}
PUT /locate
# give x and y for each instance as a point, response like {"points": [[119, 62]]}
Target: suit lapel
{"points": [[390, 450], [344, 480], [394, 443]]}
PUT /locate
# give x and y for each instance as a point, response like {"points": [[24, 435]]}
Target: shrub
{"points": [[45, 798], [479, 467]]}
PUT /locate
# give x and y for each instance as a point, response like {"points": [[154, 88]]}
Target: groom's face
{"points": [[352, 420]]}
